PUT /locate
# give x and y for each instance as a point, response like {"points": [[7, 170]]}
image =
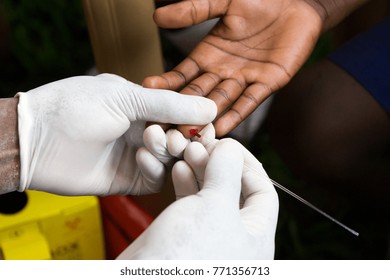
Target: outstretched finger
{"points": [[223, 94], [202, 85], [249, 100], [187, 13], [177, 78], [226, 93]]}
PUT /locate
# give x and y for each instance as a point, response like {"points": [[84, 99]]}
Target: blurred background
{"points": [[41, 41], [46, 40]]}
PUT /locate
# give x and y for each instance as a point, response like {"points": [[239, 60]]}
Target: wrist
{"points": [[9, 146], [333, 12]]}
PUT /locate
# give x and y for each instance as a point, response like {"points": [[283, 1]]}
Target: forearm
{"points": [[334, 11], [9, 145]]}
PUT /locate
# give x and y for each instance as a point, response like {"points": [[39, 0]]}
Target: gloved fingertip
{"points": [[227, 144], [150, 166], [208, 110], [153, 132], [184, 180], [225, 166], [195, 152], [207, 138], [176, 143]]}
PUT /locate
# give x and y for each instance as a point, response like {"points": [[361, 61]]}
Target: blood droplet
{"points": [[194, 132]]}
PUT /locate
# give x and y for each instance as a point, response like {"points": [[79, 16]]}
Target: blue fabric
{"points": [[367, 59]]}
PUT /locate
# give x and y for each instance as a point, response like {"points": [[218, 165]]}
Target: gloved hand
{"points": [[210, 224], [79, 136]]}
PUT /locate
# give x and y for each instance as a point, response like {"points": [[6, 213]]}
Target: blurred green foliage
{"points": [[47, 40]]}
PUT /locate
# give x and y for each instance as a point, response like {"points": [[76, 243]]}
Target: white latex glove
{"points": [[210, 223], [79, 136], [169, 146]]}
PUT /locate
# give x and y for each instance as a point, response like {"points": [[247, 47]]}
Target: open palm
{"points": [[254, 50]]}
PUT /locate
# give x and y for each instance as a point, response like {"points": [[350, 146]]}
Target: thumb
{"points": [[187, 13], [224, 170], [165, 106]]}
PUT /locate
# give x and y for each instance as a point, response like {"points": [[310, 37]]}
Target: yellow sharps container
{"points": [[38, 225]]}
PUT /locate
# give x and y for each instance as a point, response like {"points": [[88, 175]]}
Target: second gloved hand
{"points": [[209, 224], [81, 135]]}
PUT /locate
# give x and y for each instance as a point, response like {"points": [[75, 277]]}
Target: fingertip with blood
{"points": [[194, 132], [190, 131]]}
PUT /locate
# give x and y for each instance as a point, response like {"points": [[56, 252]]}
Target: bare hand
{"points": [[254, 50]]}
